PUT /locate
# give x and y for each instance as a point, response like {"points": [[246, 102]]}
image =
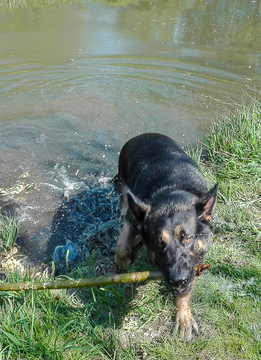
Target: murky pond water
{"points": [[78, 79]]}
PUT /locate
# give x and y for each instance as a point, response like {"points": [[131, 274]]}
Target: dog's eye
{"points": [[184, 238]]}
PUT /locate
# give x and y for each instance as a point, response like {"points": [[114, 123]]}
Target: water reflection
{"points": [[79, 79]]}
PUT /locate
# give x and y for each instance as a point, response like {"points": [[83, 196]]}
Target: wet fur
{"points": [[166, 206]]}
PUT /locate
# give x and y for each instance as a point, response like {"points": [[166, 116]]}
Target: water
{"points": [[78, 79]]}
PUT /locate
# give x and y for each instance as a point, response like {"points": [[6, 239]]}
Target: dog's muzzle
{"points": [[180, 278]]}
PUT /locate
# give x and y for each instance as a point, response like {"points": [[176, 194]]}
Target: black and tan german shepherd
{"points": [[165, 205]]}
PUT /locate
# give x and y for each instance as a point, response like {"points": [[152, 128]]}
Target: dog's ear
{"points": [[138, 208], [206, 204]]}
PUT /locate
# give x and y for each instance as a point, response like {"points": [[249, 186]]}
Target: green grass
{"points": [[8, 232], [234, 144], [136, 321]]}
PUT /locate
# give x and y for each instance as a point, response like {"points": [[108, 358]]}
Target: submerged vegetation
{"points": [[136, 321]]}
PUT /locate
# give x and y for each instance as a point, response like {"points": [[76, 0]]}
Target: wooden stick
{"points": [[84, 283], [91, 282]]}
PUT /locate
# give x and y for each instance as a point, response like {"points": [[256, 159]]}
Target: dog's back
{"points": [[151, 161]]}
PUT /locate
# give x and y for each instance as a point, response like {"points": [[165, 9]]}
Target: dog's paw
{"points": [[186, 324], [122, 262]]}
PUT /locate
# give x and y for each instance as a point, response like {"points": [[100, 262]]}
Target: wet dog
{"points": [[166, 206]]}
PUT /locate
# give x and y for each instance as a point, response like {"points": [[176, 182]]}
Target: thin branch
{"points": [[84, 283], [92, 282]]}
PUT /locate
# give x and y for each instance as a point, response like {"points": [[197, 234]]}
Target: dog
{"points": [[166, 206]]}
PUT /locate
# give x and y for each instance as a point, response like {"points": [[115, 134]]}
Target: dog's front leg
{"points": [[185, 322], [123, 252]]}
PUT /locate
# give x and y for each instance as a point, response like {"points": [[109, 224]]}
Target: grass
{"points": [[234, 144], [8, 232], [136, 321]]}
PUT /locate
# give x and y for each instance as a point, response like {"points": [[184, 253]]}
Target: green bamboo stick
{"points": [[92, 282], [84, 283]]}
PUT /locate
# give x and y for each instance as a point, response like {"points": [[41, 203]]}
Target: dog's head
{"points": [[175, 227]]}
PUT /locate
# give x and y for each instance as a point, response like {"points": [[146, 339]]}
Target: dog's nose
{"points": [[179, 278], [179, 282]]}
